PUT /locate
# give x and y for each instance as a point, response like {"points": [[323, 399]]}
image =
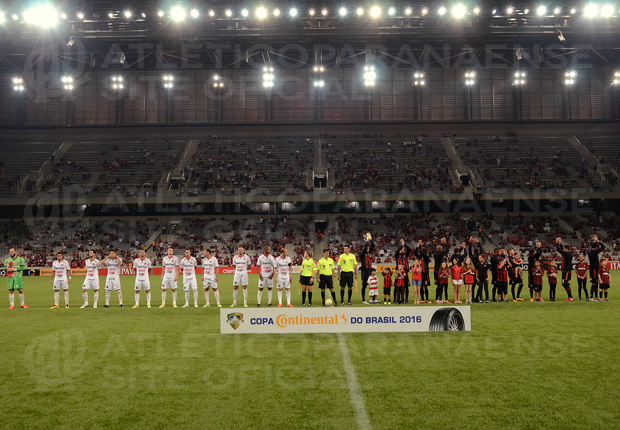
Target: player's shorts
{"points": [[113, 284], [265, 282], [604, 287], [14, 283], [305, 280], [169, 283], [91, 283], [566, 276], [457, 282], [416, 283], [594, 275], [373, 292], [502, 287], [537, 288], [142, 283], [326, 281], [284, 282], [61, 283], [190, 282], [519, 280], [209, 283], [240, 279], [387, 291], [346, 279]]}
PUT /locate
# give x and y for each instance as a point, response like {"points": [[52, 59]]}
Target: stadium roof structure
{"points": [[524, 29]]}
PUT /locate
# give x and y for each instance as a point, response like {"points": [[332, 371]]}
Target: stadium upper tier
{"points": [[289, 165]]}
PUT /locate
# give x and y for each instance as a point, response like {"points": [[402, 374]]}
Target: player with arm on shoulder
{"points": [[210, 277], [13, 267], [188, 267], [567, 267], [61, 278], [142, 266], [241, 262], [91, 280], [265, 264], [283, 270], [533, 255], [169, 277], [113, 279]]}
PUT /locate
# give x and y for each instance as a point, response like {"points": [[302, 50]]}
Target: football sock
{"points": [[217, 296], [334, 296], [269, 294], [67, 297], [259, 296], [137, 298], [605, 293], [245, 296], [531, 293], [187, 297], [519, 291], [120, 297], [350, 294], [280, 297], [342, 294], [148, 298], [309, 297], [568, 291], [21, 298], [107, 298], [96, 297], [235, 294], [56, 297], [12, 299], [406, 293], [512, 291], [85, 297], [303, 297], [163, 297], [207, 297], [323, 296], [288, 297], [174, 297], [363, 293]]}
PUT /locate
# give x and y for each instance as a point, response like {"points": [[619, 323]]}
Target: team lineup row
{"points": [[467, 269]]}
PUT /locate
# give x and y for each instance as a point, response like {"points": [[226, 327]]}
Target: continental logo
{"points": [[78, 271], [287, 320], [46, 272]]}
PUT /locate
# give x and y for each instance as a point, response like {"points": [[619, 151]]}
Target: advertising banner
{"points": [[345, 319]]}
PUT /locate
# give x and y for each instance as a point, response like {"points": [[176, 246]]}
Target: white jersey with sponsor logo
{"points": [[61, 269], [114, 268], [283, 267], [241, 264], [92, 268], [142, 267], [188, 266], [170, 265], [266, 264], [209, 265]]}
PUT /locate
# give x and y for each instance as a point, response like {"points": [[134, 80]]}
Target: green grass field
{"points": [[523, 366]]}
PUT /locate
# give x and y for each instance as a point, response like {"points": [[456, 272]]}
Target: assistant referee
{"points": [[347, 271], [326, 276]]}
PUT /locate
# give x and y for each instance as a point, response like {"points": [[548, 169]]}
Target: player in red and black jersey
{"points": [[502, 278], [582, 275], [387, 285], [366, 263], [402, 257], [593, 256], [425, 260], [536, 276], [482, 277], [552, 277], [533, 255], [604, 278], [517, 276], [567, 267], [399, 285]]}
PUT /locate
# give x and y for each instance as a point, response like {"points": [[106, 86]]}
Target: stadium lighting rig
{"points": [[268, 77], [177, 13], [442, 11], [616, 80], [470, 78], [519, 79], [319, 68], [375, 12], [117, 82], [459, 11], [418, 79], [67, 83], [570, 77], [319, 83], [18, 84], [43, 15], [542, 10], [168, 81], [194, 13], [370, 76], [2, 19], [217, 81]]}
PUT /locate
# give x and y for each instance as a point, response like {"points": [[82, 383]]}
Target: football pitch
{"points": [[523, 366]]}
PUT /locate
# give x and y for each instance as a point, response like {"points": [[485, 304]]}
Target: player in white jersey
{"points": [[265, 265], [113, 280], [209, 277], [283, 270], [142, 266], [61, 278], [188, 267], [92, 279], [241, 263], [169, 277]]}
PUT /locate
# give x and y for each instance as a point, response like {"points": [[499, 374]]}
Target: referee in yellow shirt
{"points": [[347, 271], [326, 268]]}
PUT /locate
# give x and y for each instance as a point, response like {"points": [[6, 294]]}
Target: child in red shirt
{"points": [[443, 277], [604, 278], [457, 279], [416, 280]]}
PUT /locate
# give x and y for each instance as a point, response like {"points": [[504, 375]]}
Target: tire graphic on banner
{"points": [[447, 319]]}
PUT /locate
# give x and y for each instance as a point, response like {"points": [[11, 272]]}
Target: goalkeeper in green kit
{"points": [[13, 267]]}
